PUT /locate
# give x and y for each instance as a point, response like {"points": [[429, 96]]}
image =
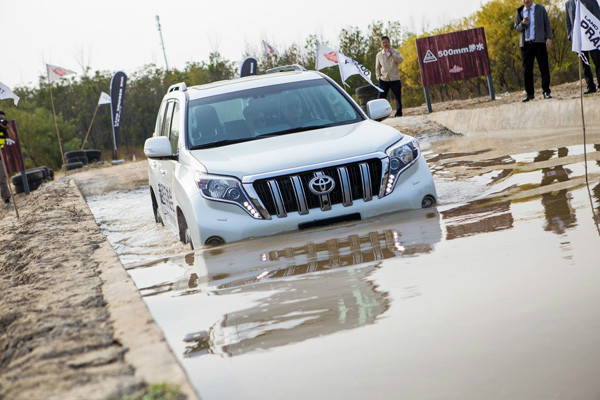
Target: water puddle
{"points": [[499, 280]]}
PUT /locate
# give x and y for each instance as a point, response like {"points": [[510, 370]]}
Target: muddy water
{"points": [[491, 295]]}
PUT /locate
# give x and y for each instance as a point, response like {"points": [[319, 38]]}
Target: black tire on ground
{"points": [[32, 175], [33, 185], [44, 170], [74, 153], [367, 90], [82, 159], [157, 216], [51, 174], [93, 155], [73, 165]]}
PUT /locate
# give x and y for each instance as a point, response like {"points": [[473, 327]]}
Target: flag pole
{"points": [[62, 155], [90, 128], [12, 196]]}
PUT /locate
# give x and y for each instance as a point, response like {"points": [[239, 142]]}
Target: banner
{"points": [[453, 56], [586, 28], [104, 99], [117, 91], [6, 93], [249, 67], [55, 72]]}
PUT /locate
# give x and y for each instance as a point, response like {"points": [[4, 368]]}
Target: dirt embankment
{"points": [[72, 324]]}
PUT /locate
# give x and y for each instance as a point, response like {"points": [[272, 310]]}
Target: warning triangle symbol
{"points": [[429, 57]]}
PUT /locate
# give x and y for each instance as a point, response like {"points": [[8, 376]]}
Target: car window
{"points": [[175, 128], [266, 111], [164, 131], [159, 119]]}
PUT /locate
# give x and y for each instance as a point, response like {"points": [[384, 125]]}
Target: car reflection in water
{"points": [[317, 288]]}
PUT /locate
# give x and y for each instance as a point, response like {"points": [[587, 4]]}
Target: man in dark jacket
{"points": [[531, 20], [594, 8]]}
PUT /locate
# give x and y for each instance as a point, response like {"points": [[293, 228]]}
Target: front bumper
{"points": [[230, 223]]}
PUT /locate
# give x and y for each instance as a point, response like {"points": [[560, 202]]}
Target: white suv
{"points": [[265, 154]]}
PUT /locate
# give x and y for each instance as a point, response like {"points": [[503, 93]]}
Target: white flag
{"points": [[349, 67], [55, 72], [104, 99], [6, 93], [270, 49], [586, 31], [325, 57]]}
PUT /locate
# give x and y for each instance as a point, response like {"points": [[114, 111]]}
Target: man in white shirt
{"points": [[388, 74]]}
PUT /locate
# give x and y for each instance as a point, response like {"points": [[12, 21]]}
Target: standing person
{"points": [[6, 135], [594, 8], [532, 21], [387, 73]]}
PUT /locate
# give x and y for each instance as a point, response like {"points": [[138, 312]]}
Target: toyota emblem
{"points": [[321, 185]]}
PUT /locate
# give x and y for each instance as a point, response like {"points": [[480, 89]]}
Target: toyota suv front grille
{"points": [[292, 193]]}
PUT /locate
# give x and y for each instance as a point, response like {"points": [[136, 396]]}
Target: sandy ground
{"points": [[72, 324], [70, 318]]}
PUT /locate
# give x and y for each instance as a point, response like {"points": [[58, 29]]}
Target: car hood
{"points": [[297, 149]]}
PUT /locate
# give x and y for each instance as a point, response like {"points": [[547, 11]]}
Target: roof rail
{"points": [[178, 86], [285, 68]]}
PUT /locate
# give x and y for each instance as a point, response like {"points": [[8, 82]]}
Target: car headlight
{"points": [[401, 155], [226, 190]]}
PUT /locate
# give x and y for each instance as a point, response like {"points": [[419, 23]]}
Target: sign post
{"points": [[453, 57]]}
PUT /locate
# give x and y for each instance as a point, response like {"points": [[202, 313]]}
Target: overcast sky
{"points": [[122, 34]]}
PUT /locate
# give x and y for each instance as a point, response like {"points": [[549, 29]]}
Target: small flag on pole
{"points": [[586, 31], [6, 93], [55, 72], [104, 99], [270, 49], [325, 57]]}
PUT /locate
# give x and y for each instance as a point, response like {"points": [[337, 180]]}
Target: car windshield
{"points": [[267, 111]]}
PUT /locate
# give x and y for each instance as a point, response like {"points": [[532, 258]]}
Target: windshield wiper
{"points": [[296, 130], [220, 143]]}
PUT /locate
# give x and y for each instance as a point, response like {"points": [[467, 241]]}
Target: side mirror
{"points": [[157, 147], [379, 109]]}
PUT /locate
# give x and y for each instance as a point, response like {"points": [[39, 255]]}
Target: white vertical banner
{"points": [[586, 31]]}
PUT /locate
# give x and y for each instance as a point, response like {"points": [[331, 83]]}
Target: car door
{"points": [[164, 174]]}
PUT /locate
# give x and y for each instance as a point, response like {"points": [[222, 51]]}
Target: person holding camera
{"points": [[7, 137], [387, 72]]}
